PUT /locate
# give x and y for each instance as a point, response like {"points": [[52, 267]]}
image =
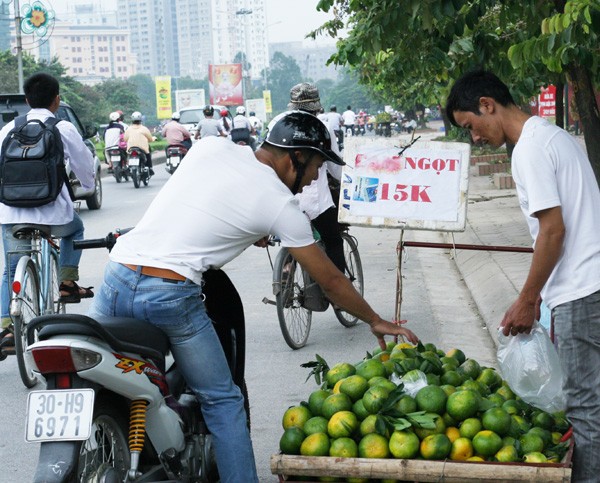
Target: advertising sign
{"points": [[547, 103], [225, 84], [267, 98], [258, 107], [189, 97], [422, 188], [163, 97]]}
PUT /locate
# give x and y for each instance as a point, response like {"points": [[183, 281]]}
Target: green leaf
{"points": [[319, 369], [421, 419]]}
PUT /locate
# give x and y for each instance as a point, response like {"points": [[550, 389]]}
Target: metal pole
{"points": [[19, 45]]}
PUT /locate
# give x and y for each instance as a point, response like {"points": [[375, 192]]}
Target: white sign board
{"points": [[189, 97], [424, 188], [258, 107]]}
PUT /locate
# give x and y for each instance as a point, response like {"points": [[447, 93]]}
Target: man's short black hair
{"points": [[41, 90], [466, 92]]}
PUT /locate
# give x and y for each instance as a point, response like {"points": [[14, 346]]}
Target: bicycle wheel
{"points": [[54, 295], [294, 319], [355, 273], [29, 302]]}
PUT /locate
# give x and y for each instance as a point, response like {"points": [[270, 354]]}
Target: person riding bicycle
{"points": [[113, 138], [139, 136], [228, 198], [242, 130], [209, 126], [175, 133], [42, 92], [316, 199]]}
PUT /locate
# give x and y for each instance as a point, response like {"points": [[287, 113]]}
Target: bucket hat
{"points": [[305, 97]]}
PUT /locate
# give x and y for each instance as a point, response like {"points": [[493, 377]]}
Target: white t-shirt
{"points": [[220, 200], [551, 169], [240, 121], [349, 117], [335, 120]]}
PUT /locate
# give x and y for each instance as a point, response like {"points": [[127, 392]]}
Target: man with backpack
{"points": [[63, 144]]}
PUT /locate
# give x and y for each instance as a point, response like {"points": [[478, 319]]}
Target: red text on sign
{"points": [[403, 192]]}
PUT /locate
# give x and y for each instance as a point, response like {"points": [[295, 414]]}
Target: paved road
{"points": [[435, 301]]}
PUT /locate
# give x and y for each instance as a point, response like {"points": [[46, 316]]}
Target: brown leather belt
{"points": [[157, 272]]}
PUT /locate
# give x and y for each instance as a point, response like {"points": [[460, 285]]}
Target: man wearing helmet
{"points": [[228, 198], [113, 137], [139, 136], [242, 130], [176, 133], [209, 126]]}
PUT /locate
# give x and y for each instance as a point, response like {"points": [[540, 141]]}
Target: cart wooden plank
{"points": [[419, 470]]}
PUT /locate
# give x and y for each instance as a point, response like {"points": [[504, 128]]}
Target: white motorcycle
{"points": [[114, 408]]}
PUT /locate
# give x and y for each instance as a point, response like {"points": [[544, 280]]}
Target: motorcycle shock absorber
{"points": [[137, 434]]}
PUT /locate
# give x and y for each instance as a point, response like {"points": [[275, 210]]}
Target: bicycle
{"points": [[297, 296], [34, 288]]}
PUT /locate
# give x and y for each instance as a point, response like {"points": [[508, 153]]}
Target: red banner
{"points": [[547, 103], [225, 84]]}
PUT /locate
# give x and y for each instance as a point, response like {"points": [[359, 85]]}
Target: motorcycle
{"points": [[175, 154], [119, 163], [139, 172], [114, 409]]}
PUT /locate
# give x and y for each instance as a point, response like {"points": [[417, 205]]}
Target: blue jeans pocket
{"points": [[180, 317]]}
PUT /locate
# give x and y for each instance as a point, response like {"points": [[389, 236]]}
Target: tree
{"points": [[146, 91], [283, 74], [411, 50], [348, 91]]}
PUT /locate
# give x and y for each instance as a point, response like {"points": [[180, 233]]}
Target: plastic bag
{"points": [[530, 365], [413, 381]]}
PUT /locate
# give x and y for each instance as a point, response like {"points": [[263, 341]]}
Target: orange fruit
{"points": [[296, 416], [535, 457], [342, 424], [315, 445], [316, 424], [453, 433], [457, 354], [371, 368], [470, 427], [404, 444], [373, 446], [470, 368], [462, 449], [507, 454], [431, 399], [343, 448], [339, 371], [335, 403], [354, 386], [367, 426], [497, 420], [315, 401], [487, 443], [406, 405], [440, 427], [358, 408], [374, 398], [490, 378], [463, 404], [435, 447], [291, 440], [531, 443]]}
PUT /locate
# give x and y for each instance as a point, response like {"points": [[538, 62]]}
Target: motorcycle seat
{"points": [[121, 333]]}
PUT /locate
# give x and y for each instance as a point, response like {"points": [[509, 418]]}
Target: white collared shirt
{"points": [[80, 160]]}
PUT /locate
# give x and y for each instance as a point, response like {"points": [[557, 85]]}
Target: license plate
{"points": [[61, 415], [175, 160], [115, 159], [134, 161]]}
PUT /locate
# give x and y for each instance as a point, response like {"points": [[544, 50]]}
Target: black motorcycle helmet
{"points": [[208, 111], [294, 130], [333, 108]]}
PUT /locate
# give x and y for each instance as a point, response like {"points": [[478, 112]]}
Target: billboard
{"points": [[189, 97], [225, 84], [163, 97]]}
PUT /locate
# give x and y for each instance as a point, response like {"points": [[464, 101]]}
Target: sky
{"points": [[287, 20]]}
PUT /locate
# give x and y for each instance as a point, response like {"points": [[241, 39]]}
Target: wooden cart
{"points": [[286, 467]]}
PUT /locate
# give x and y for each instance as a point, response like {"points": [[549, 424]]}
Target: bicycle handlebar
{"points": [[107, 242]]}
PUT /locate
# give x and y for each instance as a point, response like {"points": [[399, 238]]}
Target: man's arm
{"points": [[341, 291], [548, 247], [77, 154]]}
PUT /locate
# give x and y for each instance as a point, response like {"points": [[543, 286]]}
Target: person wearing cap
{"points": [[228, 197], [176, 133], [316, 199], [113, 137], [209, 126]]}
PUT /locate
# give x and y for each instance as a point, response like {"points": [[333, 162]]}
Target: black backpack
{"points": [[32, 164]]}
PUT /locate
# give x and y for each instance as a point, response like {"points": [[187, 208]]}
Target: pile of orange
{"points": [[474, 414]]}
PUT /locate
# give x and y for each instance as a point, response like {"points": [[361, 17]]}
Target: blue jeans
{"points": [[178, 310], [577, 337], [68, 259]]}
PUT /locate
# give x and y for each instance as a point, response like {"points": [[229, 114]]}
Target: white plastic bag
{"points": [[413, 381], [530, 365]]}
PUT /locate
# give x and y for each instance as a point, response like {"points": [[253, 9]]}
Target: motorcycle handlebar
{"points": [[107, 242]]}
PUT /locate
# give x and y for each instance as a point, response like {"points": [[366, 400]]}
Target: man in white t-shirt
{"points": [[228, 198], [349, 119], [336, 122], [559, 197]]}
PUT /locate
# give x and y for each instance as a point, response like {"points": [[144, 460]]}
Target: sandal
{"points": [[7, 344], [72, 294]]}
